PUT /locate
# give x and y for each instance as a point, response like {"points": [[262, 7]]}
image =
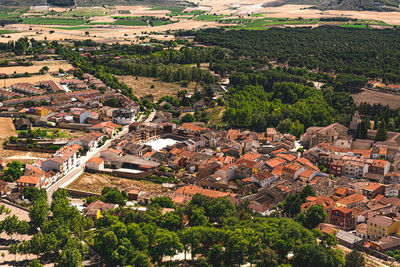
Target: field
{"points": [[85, 12], [7, 129], [95, 182], [131, 22], [376, 97], [210, 17], [37, 65], [141, 86], [32, 79], [53, 21]]}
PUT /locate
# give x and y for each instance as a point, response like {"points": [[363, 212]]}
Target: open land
{"points": [[141, 86], [377, 97], [37, 65], [95, 182], [7, 129], [32, 79]]}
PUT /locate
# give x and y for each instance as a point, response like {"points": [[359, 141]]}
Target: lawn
{"points": [[210, 17], [53, 21], [6, 31]]}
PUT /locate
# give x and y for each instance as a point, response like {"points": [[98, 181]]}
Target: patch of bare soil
{"points": [[142, 86], [377, 97], [95, 182]]}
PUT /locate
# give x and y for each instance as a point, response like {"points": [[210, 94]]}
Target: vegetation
{"points": [[53, 21]]}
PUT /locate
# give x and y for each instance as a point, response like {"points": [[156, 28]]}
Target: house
{"points": [[327, 203], [94, 210], [351, 201], [28, 181], [381, 226], [124, 116], [343, 218], [232, 134], [264, 178], [348, 239], [63, 160], [133, 194], [83, 116], [373, 189], [90, 141], [207, 168], [291, 171], [386, 243], [95, 164], [379, 166], [108, 128], [41, 111]]}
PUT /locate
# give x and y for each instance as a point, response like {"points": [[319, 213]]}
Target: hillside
{"points": [[379, 5], [26, 3]]}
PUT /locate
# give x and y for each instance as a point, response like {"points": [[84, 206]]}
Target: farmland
{"points": [[53, 21], [37, 65], [377, 97]]}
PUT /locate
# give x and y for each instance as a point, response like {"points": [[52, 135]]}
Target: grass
{"points": [[257, 15], [53, 21], [156, 23], [6, 31], [84, 12], [360, 26], [173, 9], [192, 13], [278, 21], [210, 17]]}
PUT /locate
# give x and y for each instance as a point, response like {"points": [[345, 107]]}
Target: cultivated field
{"points": [[32, 79], [376, 97], [142, 86], [37, 65], [95, 182]]}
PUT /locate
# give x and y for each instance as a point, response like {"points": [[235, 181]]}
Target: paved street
{"points": [[73, 174]]}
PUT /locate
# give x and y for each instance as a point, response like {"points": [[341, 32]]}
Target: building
{"points": [[343, 218], [264, 178], [291, 171], [95, 164], [63, 160], [379, 167], [41, 111], [335, 134], [351, 201], [3, 188], [94, 210], [124, 116], [28, 181], [381, 226]]}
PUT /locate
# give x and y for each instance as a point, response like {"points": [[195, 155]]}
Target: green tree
{"points": [[39, 212], [188, 118], [35, 263], [355, 259], [216, 255], [381, 133], [163, 202], [69, 257], [314, 216], [14, 171], [315, 255], [165, 243], [12, 225], [267, 258]]}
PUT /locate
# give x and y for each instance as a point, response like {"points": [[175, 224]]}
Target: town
{"points": [[355, 180]]}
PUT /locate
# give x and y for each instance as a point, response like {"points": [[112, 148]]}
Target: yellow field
{"points": [[37, 65]]}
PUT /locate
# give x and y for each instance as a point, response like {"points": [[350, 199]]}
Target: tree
{"points": [[315, 255], [165, 243], [267, 258], [355, 259], [12, 225], [113, 195], [69, 257], [14, 171], [163, 202], [35, 263], [39, 212], [381, 133], [314, 216], [188, 118], [216, 255], [4, 210]]}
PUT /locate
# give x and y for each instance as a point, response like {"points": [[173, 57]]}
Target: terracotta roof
{"points": [[288, 157], [98, 161], [372, 187], [275, 162], [277, 170], [342, 209], [261, 176], [106, 124], [29, 180], [379, 163], [351, 199]]}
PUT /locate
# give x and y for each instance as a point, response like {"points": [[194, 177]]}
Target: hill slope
{"points": [[380, 5]]}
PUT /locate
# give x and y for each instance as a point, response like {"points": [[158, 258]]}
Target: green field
{"points": [[275, 22], [361, 26], [6, 31], [156, 23], [84, 12], [210, 17], [175, 10], [130, 22], [53, 21]]}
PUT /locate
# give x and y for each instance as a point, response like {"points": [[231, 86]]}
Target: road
{"points": [[74, 173]]}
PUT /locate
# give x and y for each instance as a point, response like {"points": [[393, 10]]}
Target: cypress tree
{"points": [[381, 134]]}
